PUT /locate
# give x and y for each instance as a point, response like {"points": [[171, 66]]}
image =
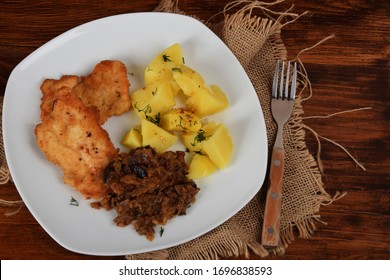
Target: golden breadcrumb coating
{"points": [[107, 89], [71, 137]]}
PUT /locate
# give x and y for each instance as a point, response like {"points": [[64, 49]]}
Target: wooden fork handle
{"points": [[271, 223]]}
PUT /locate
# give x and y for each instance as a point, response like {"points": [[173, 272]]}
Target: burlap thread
{"points": [[5, 176]]}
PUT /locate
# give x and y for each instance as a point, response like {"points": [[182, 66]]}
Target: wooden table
{"points": [[347, 72]]}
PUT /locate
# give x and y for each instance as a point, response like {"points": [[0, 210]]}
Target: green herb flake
{"points": [[161, 231], [200, 137], [147, 110], [181, 123], [177, 69], [73, 202], [155, 120], [166, 58]]}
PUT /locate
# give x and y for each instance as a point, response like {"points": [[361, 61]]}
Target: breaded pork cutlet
{"points": [[107, 89], [49, 88], [71, 137]]}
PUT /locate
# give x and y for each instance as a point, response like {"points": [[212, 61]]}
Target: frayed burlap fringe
{"points": [[306, 82], [317, 136], [258, 29], [5, 176], [15, 203], [233, 247], [168, 6]]}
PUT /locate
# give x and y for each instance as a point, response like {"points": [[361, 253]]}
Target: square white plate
{"points": [[133, 39]]}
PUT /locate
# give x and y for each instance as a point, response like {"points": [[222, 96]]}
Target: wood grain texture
{"points": [[347, 72]]}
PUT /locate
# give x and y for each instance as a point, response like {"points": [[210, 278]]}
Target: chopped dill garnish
{"points": [[201, 136], [155, 120], [147, 110], [166, 58], [177, 69], [161, 231], [181, 123], [73, 202]]}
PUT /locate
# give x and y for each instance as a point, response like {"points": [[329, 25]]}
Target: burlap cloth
{"points": [[253, 33]]}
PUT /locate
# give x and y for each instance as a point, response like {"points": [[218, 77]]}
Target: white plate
{"points": [[134, 39]]}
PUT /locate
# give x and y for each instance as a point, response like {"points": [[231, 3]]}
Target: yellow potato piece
{"points": [[133, 138], [193, 140], [156, 137], [173, 53], [153, 100], [174, 87], [220, 95], [179, 119], [188, 80], [160, 67], [201, 166], [207, 101], [219, 146]]}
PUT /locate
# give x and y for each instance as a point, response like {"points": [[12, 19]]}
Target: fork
{"points": [[282, 101]]}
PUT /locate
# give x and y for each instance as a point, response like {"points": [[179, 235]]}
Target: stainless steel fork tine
{"points": [[285, 92], [294, 82], [280, 94], [275, 82]]}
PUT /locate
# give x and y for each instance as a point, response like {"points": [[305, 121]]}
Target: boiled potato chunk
{"points": [[201, 166], [207, 101], [220, 94], [174, 87], [156, 137], [219, 146], [173, 53], [153, 100], [179, 119], [133, 138], [165, 74], [160, 67], [187, 79], [193, 140]]}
